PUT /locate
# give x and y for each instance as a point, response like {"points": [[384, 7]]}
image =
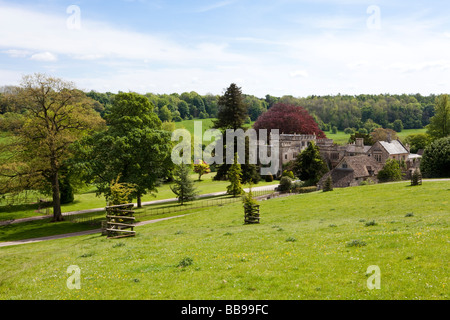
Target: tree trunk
{"points": [[57, 215], [139, 200]]}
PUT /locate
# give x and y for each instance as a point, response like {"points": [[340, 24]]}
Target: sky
{"points": [[287, 47]]}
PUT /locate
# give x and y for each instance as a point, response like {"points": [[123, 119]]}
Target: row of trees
{"points": [[187, 105], [341, 112]]}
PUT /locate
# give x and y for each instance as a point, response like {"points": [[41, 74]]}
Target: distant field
{"points": [[310, 246], [341, 138], [189, 124]]}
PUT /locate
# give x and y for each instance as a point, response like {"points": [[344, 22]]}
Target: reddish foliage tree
{"points": [[288, 119]]}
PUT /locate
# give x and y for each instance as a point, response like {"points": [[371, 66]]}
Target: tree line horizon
{"points": [[362, 112]]}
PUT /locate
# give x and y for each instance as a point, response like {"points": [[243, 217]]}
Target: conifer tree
{"points": [[232, 110], [183, 187], [234, 175], [328, 186]]}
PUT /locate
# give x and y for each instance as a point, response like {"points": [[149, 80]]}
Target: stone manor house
{"points": [[350, 164]]}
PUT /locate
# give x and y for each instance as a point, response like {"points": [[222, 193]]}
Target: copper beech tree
{"points": [[56, 115], [288, 119]]}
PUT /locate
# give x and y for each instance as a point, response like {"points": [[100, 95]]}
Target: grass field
{"points": [[87, 199], [341, 138], [310, 246]]}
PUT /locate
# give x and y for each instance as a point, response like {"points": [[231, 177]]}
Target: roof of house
{"points": [[361, 165], [393, 147], [357, 167], [341, 178], [353, 148]]}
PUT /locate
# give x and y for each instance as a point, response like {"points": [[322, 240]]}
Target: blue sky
{"points": [[296, 47]]}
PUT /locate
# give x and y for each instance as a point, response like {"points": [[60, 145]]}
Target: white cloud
{"points": [[13, 53], [299, 73], [44, 56]]}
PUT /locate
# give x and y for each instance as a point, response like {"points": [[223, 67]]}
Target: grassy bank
{"points": [[310, 246]]}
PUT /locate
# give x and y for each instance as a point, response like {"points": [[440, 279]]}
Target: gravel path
{"points": [[6, 222], [75, 234]]}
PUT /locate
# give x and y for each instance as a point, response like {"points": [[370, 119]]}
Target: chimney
{"points": [[359, 142], [389, 137], [408, 148]]}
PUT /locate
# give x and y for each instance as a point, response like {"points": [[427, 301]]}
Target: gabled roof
{"points": [[393, 147], [360, 165]]}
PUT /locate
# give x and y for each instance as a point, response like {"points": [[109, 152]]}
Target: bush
{"points": [[307, 189], [390, 172], [349, 131], [268, 178], [328, 186], [287, 173], [185, 262], [296, 186], [285, 184], [371, 223], [416, 178], [356, 243], [436, 159]]}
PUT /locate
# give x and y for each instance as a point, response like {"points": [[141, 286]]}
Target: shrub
{"points": [[185, 262], [287, 173], [268, 178], [356, 243], [416, 178], [371, 223], [436, 159], [390, 172], [349, 131], [307, 189], [328, 186], [285, 184], [296, 186]]}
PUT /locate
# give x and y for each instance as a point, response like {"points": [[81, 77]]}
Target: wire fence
{"points": [[167, 208]]}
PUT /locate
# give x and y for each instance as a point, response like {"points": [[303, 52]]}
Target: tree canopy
{"points": [[57, 114], [134, 146], [288, 119]]}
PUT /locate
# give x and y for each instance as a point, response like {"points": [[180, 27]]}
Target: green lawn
{"points": [[89, 200], [301, 250]]}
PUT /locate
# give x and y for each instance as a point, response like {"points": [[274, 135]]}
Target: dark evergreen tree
{"points": [[309, 165], [183, 187], [328, 186], [232, 110], [232, 114]]}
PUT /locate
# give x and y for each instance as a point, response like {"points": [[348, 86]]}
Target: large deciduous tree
{"points": [[288, 119], [134, 146], [56, 115], [439, 126]]}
